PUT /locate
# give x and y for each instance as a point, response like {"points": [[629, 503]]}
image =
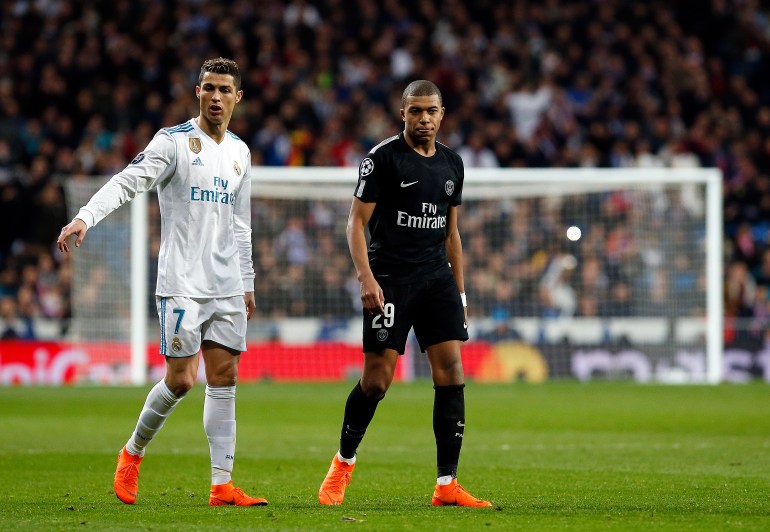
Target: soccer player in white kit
{"points": [[205, 288]]}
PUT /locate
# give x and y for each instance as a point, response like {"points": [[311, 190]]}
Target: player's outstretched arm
{"points": [[76, 227]]}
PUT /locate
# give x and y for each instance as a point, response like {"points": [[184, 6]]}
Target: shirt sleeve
{"points": [[368, 187], [147, 169], [242, 227], [457, 197]]}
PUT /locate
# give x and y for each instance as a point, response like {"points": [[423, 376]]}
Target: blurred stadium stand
{"points": [[612, 83]]}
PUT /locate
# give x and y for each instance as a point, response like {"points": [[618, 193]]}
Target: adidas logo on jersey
{"points": [[197, 162]]}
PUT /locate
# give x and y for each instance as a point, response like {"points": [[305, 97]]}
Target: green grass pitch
{"points": [[555, 456]]}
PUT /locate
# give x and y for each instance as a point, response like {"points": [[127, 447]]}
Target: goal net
{"points": [[570, 273]]}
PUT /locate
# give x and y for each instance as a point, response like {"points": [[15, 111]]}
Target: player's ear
{"points": [[198, 91], [403, 116], [238, 96]]}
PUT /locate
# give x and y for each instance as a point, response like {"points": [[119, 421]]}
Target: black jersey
{"points": [[413, 195]]}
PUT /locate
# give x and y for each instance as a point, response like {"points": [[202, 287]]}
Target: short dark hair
{"points": [[421, 87], [220, 65]]}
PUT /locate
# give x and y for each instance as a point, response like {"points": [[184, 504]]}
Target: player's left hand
{"points": [[76, 227], [251, 304]]}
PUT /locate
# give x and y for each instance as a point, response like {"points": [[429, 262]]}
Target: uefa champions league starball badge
{"points": [[367, 165]]}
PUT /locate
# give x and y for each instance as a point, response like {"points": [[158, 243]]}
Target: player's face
{"points": [[218, 96], [422, 117]]}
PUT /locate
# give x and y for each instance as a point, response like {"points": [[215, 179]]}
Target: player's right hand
{"points": [[75, 227], [371, 296]]}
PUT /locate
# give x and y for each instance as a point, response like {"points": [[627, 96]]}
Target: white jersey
{"points": [[204, 191]]}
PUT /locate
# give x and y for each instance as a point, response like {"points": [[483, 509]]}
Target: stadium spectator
{"points": [[291, 244], [13, 325], [740, 290], [475, 153], [762, 273]]}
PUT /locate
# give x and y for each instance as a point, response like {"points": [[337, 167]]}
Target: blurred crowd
{"points": [[549, 83]]}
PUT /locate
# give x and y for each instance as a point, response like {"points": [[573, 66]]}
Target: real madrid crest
{"points": [[236, 168], [195, 144], [449, 187], [176, 344]]}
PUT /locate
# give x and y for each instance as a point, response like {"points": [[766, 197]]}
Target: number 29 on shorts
{"points": [[388, 317]]}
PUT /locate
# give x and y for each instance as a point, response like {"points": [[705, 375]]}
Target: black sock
{"points": [[359, 411], [448, 426]]}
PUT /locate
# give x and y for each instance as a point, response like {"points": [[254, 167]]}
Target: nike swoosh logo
{"points": [[460, 424], [404, 185]]}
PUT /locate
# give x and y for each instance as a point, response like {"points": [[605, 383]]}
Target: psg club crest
{"points": [[236, 168], [366, 167], [449, 187], [382, 335], [195, 144]]}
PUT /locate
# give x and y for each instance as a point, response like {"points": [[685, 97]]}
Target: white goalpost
{"points": [[139, 296], [638, 295]]}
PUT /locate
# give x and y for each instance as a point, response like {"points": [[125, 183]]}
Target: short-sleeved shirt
{"points": [[413, 195]]}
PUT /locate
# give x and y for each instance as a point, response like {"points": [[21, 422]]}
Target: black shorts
{"points": [[433, 308]]}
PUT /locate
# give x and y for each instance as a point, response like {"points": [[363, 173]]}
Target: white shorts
{"points": [[186, 321]]}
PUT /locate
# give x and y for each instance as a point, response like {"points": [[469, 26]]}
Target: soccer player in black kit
{"points": [[411, 275]]}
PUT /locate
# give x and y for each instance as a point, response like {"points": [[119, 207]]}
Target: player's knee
{"points": [[448, 372], [180, 384], [225, 374], [221, 379], [374, 389]]}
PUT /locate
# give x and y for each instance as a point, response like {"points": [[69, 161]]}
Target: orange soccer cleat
{"points": [[453, 494], [332, 491], [126, 483], [229, 495]]}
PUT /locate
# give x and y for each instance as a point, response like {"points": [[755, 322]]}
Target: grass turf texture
{"points": [[556, 456]]}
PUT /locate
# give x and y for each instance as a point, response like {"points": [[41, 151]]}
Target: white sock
{"points": [[349, 461], [445, 480], [219, 424], [160, 402]]}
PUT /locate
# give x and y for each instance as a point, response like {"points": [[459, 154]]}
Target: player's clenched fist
{"points": [[75, 227]]}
